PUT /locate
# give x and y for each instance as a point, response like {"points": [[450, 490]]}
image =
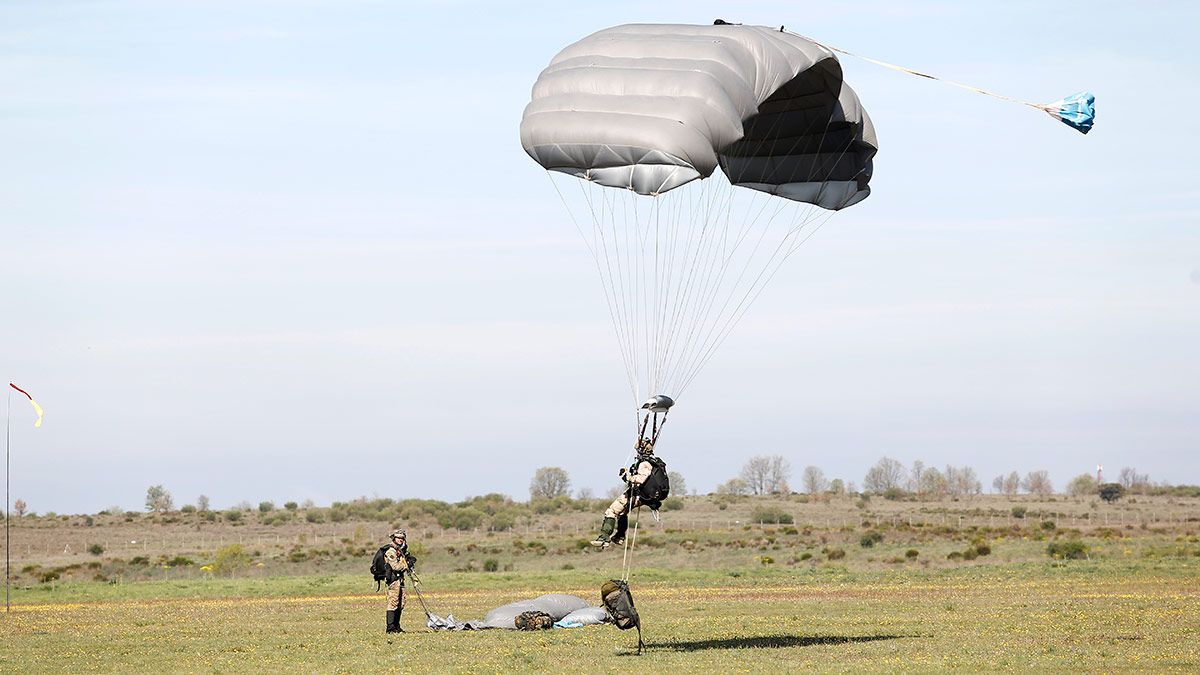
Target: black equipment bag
{"points": [[618, 602], [657, 486]]}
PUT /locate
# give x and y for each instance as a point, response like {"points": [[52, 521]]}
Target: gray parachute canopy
{"points": [[652, 107]]}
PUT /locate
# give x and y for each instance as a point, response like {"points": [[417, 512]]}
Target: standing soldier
{"points": [[396, 563]]}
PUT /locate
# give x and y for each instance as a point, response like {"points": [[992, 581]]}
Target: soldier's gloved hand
{"points": [[623, 473]]}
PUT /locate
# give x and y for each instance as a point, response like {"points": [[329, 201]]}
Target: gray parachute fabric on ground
{"points": [[557, 605], [588, 616], [651, 107]]}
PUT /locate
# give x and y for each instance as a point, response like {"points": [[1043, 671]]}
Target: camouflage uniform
{"points": [[616, 517], [621, 505], [397, 565]]}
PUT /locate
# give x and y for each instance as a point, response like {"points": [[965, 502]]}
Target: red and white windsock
{"points": [[36, 408]]}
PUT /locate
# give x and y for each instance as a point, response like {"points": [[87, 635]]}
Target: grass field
{"points": [[988, 583], [1048, 616]]}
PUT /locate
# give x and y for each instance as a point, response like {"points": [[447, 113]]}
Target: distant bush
{"points": [[1071, 549], [1018, 512], [47, 577], [1048, 525], [895, 494], [233, 515], [673, 504], [771, 515], [187, 508], [230, 559], [291, 506], [139, 560], [180, 561], [805, 556], [870, 539], [491, 565], [835, 553], [266, 507], [954, 555], [1111, 492], [314, 516], [95, 549], [912, 553]]}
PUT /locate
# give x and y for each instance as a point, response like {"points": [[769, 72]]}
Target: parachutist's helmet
{"points": [[399, 534]]}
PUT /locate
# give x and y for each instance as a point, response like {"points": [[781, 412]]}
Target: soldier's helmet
{"points": [[399, 534]]}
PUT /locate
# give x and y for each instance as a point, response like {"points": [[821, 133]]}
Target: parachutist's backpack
{"points": [[379, 567], [381, 571], [657, 485], [533, 620], [618, 602]]}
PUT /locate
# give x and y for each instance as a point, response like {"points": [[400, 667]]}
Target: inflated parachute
{"points": [[645, 115]]}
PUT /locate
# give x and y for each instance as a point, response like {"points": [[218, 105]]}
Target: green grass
{"points": [[1045, 616]]}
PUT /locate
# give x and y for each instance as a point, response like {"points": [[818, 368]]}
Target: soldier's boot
{"points": [[606, 530], [618, 537], [398, 613], [393, 621]]}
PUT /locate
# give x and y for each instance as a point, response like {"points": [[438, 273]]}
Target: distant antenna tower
{"points": [[1099, 475]]}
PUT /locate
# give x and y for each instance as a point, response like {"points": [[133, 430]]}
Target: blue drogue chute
{"points": [[1077, 111]]}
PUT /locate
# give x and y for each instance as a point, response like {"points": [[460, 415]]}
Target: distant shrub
{"points": [[491, 565], [1071, 549], [673, 504], [805, 556], [1048, 525], [291, 506], [230, 559], [233, 515], [766, 560], [983, 549], [1111, 492], [791, 531], [314, 516], [566, 566], [870, 539], [970, 554], [954, 555], [95, 549], [1018, 512], [771, 515], [912, 553], [180, 561], [835, 553], [266, 507], [187, 508], [894, 494], [47, 577], [139, 560]]}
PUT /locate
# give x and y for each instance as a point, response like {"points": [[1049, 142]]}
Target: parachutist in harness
{"points": [[646, 481]]}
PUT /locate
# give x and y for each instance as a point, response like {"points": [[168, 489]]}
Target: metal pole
{"points": [[7, 511]]}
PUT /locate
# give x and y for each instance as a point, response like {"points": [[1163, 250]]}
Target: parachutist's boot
{"points": [[393, 621], [399, 611], [618, 537], [606, 531]]}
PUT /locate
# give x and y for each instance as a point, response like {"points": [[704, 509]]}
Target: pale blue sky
{"points": [[289, 250]]}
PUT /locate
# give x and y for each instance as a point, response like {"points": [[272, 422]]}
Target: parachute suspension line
{"points": [[631, 541], [710, 343], [609, 298], [1051, 109], [710, 246], [608, 282], [713, 290]]}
